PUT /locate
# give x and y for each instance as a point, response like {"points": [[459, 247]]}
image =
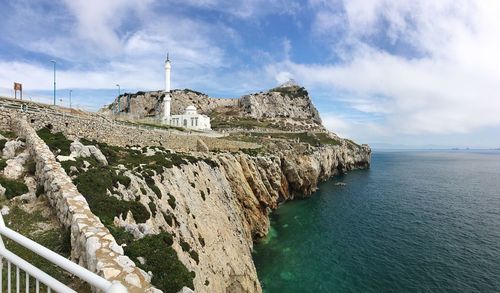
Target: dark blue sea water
{"points": [[426, 221]]}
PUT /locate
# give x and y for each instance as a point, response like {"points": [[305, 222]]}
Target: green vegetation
{"points": [[171, 201], [252, 152], [3, 164], [152, 207], [55, 239], [169, 274], [93, 185], [187, 248], [168, 218], [201, 240], [57, 142], [8, 134], [13, 188], [94, 181], [292, 91], [2, 143], [194, 92]]}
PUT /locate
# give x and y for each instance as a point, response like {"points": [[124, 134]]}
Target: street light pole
{"points": [[54, 62], [119, 106], [70, 91]]}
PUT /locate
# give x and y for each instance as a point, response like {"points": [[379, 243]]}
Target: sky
{"points": [[390, 73]]}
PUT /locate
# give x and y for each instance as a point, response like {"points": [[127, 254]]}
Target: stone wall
{"points": [[102, 129], [92, 245]]}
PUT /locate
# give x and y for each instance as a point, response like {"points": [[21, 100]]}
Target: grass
{"points": [[13, 188], [56, 239], [169, 274], [57, 142]]}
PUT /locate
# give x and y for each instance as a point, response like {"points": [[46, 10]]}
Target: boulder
{"points": [[98, 155], [15, 166], [79, 150], [11, 147]]}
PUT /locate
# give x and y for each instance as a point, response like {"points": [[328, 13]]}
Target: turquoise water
{"points": [[415, 222]]}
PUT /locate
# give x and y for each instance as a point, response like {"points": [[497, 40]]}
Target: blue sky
{"points": [[384, 72]]}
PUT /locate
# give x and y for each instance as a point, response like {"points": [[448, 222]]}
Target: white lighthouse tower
{"points": [[166, 104]]}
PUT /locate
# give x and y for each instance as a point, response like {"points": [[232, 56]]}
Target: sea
{"points": [[416, 221]]}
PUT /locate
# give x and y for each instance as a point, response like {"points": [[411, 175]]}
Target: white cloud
{"points": [[450, 85]]}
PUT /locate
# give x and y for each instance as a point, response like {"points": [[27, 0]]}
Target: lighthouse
{"points": [[166, 104]]}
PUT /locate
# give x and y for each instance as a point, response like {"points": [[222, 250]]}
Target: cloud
{"points": [[449, 85]]}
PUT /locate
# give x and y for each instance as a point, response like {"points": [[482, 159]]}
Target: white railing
{"points": [[40, 278]]}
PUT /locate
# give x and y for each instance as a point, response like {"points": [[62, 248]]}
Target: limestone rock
{"points": [[186, 290], [2, 191], [11, 147], [201, 146], [15, 166], [98, 155], [79, 150]]}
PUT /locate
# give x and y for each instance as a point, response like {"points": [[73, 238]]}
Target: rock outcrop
{"points": [[289, 102]]}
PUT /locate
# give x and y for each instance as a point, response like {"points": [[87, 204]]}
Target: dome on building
{"points": [[191, 110]]}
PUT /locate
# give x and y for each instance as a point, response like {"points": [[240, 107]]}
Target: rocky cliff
{"points": [[288, 106], [216, 210], [189, 219]]}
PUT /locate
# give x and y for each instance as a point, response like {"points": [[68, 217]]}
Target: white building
{"points": [[190, 119]]}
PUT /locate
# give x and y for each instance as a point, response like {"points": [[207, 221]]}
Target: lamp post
{"points": [[70, 91], [118, 98], [54, 62]]}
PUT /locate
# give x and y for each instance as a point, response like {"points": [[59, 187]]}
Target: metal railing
{"points": [[40, 278]]}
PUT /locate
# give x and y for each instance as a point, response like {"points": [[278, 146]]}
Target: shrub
{"points": [[171, 202], [57, 142], [169, 274], [3, 164], [152, 207], [94, 184], [201, 240], [2, 143], [13, 188], [168, 218]]}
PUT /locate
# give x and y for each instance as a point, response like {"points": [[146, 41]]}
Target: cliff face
{"points": [[286, 101], [220, 211], [287, 105]]}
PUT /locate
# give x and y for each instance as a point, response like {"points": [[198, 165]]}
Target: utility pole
{"points": [[70, 91], [119, 106], [54, 62]]}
